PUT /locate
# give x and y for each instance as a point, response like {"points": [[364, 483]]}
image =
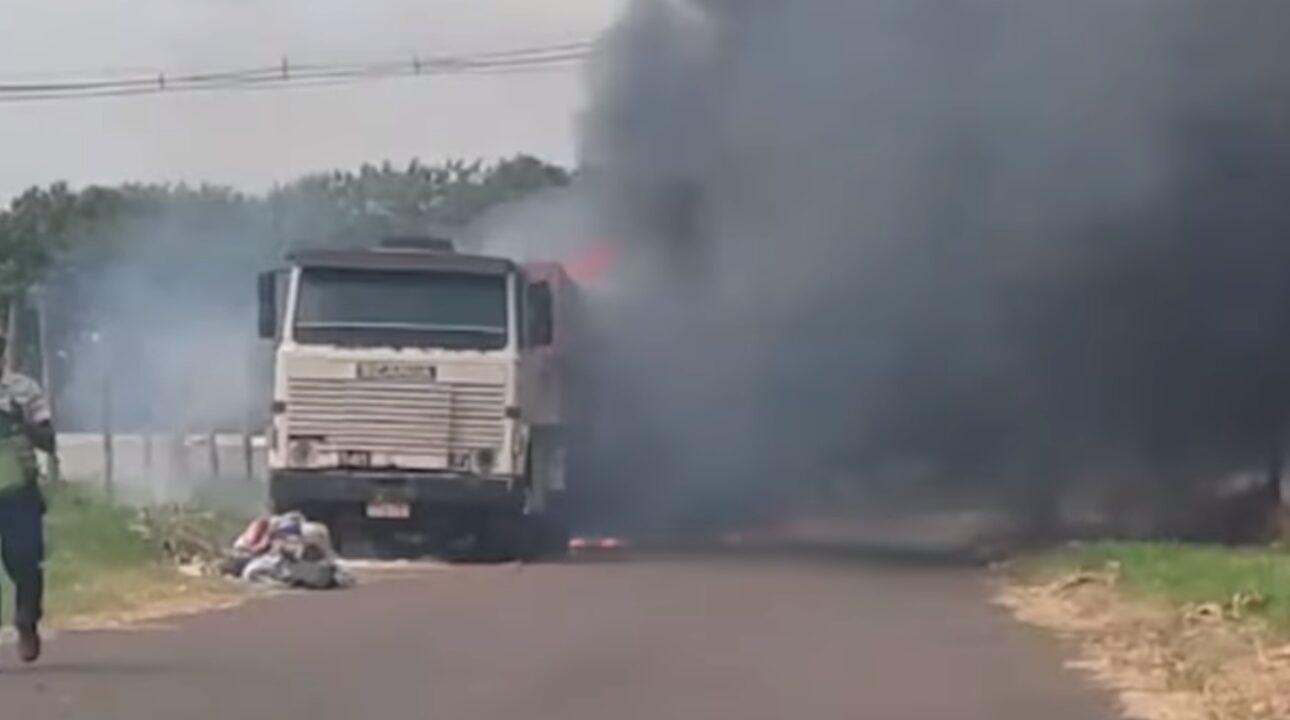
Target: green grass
{"points": [[1183, 574], [95, 561]]}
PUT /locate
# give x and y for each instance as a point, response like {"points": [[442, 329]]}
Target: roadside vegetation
{"points": [[105, 561], [1184, 575], [1179, 631]]}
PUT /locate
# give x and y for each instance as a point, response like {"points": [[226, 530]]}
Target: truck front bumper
{"points": [[294, 488]]}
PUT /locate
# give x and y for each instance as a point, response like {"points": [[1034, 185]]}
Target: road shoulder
{"points": [[1168, 650]]}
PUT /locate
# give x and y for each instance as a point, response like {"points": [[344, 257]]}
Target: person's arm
{"points": [[42, 436], [36, 419]]}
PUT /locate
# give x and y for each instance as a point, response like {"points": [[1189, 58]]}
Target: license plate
{"points": [[389, 510]]}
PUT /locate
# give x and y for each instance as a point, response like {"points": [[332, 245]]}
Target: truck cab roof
{"points": [[393, 259]]}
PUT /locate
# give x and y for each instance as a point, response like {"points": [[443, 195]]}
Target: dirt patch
{"points": [[1209, 662], [140, 603], [144, 606]]}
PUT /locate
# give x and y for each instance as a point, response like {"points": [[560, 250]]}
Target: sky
{"points": [[253, 139]]}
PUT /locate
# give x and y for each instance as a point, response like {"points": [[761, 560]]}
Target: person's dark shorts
{"points": [[22, 549]]}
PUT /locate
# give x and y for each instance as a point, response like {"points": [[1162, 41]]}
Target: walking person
{"points": [[26, 425]]}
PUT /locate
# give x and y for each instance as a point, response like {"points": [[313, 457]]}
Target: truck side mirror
{"points": [[540, 327], [268, 304]]}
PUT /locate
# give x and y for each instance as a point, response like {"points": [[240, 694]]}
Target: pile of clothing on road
{"points": [[287, 550]]}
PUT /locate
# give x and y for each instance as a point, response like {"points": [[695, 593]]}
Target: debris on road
{"points": [[288, 550]]}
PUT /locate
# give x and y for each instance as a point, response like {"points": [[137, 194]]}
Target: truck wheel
{"points": [[507, 536]]}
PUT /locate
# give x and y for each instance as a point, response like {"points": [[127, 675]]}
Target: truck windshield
{"points": [[401, 309]]}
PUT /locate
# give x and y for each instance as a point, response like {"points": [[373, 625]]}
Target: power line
{"points": [[123, 75], [286, 74]]}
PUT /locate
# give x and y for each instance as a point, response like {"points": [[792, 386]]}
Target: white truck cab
{"points": [[397, 399]]}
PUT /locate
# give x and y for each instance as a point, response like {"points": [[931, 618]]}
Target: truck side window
{"points": [[541, 321], [268, 305]]}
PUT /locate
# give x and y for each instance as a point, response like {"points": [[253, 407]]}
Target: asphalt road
{"points": [[658, 640]]}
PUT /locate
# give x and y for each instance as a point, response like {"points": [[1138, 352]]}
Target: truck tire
{"points": [[507, 536]]}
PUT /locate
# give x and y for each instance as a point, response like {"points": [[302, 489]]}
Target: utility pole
{"points": [[12, 309]]}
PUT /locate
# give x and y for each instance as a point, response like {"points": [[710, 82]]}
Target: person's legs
{"points": [[22, 550]]}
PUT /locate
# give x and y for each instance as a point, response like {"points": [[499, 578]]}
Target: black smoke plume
{"points": [[1021, 246]]}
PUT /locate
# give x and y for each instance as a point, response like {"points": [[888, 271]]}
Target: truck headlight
{"points": [[300, 450]]}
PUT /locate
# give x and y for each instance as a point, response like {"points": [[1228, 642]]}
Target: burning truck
{"points": [[422, 395]]}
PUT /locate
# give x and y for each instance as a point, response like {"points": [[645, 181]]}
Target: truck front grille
{"points": [[392, 416]]}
